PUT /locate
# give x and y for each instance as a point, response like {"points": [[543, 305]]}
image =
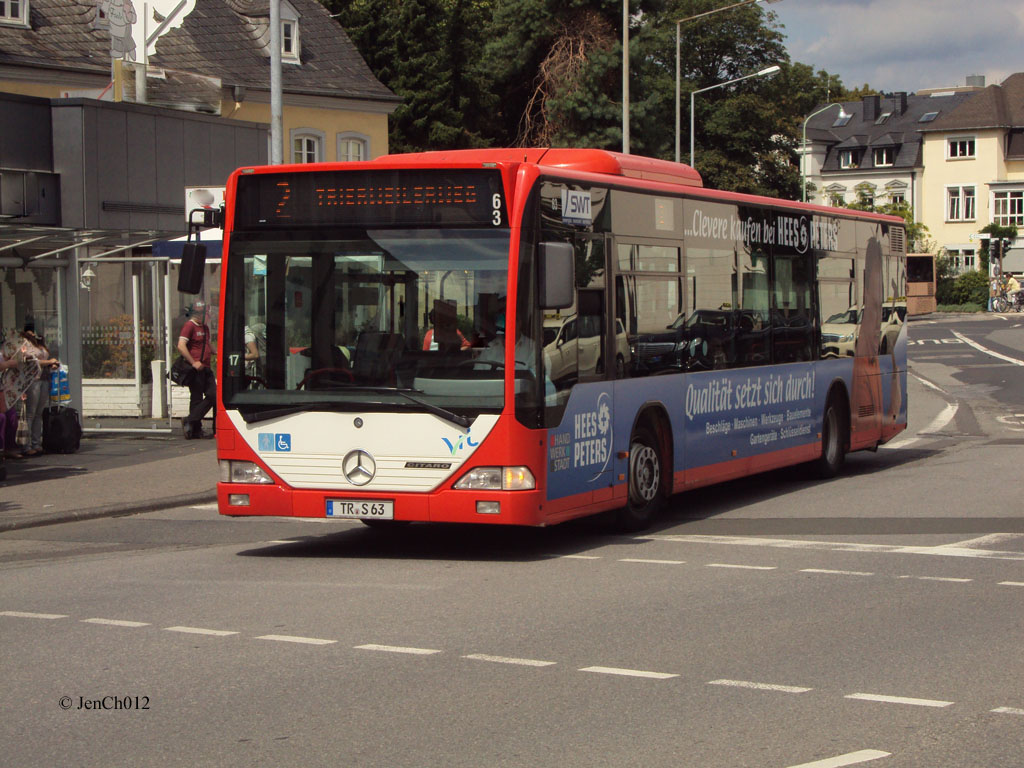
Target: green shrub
{"points": [[968, 288], [961, 308]]}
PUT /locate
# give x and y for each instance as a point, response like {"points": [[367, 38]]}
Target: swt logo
{"points": [[464, 441]]}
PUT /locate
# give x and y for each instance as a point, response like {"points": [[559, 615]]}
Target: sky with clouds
{"points": [[905, 45]]}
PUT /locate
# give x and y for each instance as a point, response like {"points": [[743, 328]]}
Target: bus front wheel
{"points": [[645, 481]]}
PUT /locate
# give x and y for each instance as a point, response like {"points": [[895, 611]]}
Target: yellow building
{"points": [[973, 160]]}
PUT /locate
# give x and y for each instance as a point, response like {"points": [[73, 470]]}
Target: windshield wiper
{"points": [[254, 417], [444, 413]]}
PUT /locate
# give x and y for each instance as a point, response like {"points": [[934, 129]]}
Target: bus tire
{"points": [[646, 468], [833, 440]]}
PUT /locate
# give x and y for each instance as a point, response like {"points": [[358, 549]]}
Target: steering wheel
{"points": [[312, 375]]}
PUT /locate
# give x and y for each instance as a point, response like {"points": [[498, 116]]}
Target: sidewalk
{"points": [[113, 473]]}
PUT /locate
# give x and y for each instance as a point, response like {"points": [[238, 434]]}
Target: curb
{"points": [[112, 510]]}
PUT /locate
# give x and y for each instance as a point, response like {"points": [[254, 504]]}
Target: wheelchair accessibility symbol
{"points": [[269, 442]]}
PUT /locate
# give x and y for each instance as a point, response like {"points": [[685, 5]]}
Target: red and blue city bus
{"points": [[526, 336]]}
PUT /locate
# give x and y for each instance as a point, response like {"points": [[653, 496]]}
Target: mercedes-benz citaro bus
{"points": [[526, 336]]}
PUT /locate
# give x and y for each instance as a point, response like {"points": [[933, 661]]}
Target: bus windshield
{"points": [[365, 319]]}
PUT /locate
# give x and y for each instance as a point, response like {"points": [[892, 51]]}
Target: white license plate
{"points": [[362, 509]]}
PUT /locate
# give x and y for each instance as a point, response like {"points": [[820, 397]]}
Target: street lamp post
{"points": [[691, 18], [803, 146], [767, 71]]}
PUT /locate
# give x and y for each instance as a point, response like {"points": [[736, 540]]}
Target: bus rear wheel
{"points": [[833, 441], [645, 482]]}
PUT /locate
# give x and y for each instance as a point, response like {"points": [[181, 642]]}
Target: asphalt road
{"points": [[776, 622]]}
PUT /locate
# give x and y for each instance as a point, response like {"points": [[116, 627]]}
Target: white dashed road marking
{"points": [[743, 567], [579, 557], [761, 686], [629, 672], [507, 660], [863, 756], [201, 631], [117, 622], [27, 615], [1008, 711], [898, 700], [1011, 583], [938, 578], [296, 639], [646, 560], [398, 649], [835, 573]]}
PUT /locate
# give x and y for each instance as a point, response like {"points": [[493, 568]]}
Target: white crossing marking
{"points": [[834, 546], [117, 622], [579, 557], [836, 573], [934, 426], [397, 649], [938, 578], [852, 758], [761, 686], [655, 562], [743, 567], [984, 541], [28, 615], [987, 351], [205, 507], [629, 672], [201, 631], [508, 660], [296, 639], [1009, 711], [899, 700], [1011, 583]]}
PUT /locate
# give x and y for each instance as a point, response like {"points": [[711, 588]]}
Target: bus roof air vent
{"points": [[619, 164]]}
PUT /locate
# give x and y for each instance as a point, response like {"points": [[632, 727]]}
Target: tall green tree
{"points": [[427, 52]]}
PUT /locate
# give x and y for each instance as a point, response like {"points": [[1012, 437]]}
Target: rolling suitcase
{"points": [[62, 431]]}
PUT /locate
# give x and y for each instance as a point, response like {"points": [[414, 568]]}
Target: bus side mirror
{"points": [[193, 254], [557, 281], [193, 263]]}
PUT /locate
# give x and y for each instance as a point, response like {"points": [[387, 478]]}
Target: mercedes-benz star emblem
{"points": [[359, 467]]}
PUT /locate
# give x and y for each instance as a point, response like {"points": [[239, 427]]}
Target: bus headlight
{"points": [[242, 472], [497, 479]]}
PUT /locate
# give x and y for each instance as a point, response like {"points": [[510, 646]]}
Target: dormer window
{"points": [[883, 117], [290, 39], [883, 156], [842, 120], [960, 148], [847, 159], [14, 12]]}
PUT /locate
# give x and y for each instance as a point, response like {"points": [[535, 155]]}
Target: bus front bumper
{"points": [[444, 506]]}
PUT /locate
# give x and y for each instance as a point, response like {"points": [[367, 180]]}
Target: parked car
{"points": [[573, 344]]}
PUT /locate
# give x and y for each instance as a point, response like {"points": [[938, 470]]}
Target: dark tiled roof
{"points": [[60, 35], [220, 38], [227, 39], [863, 132], [998, 106]]}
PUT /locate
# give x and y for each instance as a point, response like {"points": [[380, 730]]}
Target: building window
{"points": [[927, 117], [847, 159], [1008, 208], [836, 200], [963, 260], [289, 39], [884, 156], [897, 198], [307, 145], [960, 204], [13, 11], [883, 117], [959, 148], [353, 147]]}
